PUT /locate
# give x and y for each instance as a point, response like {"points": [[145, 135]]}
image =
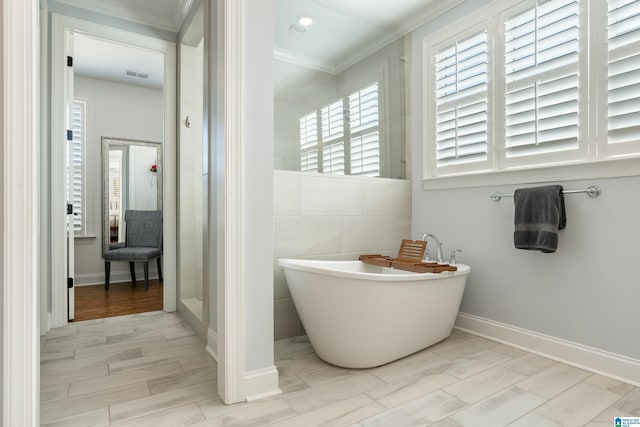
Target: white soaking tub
{"points": [[360, 316]]}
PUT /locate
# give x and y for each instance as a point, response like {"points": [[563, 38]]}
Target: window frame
{"points": [[595, 157]]}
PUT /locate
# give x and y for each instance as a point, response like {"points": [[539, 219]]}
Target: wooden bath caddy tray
{"points": [[409, 258]]}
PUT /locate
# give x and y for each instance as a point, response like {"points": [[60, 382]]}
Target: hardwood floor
{"points": [[93, 302]]}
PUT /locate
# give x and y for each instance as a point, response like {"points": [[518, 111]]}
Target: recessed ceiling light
{"points": [[297, 28], [305, 21]]}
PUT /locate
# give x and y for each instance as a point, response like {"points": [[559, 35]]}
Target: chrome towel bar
{"points": [[592, 191]]}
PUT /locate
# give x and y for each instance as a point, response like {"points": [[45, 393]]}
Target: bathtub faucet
{"points": [[438, 247]]}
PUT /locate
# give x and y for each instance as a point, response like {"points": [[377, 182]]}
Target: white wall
{"points": [[297, 91], [257, 173], [120, 111], [333, 217], [587, 292], [2, 216], [191, 173]]}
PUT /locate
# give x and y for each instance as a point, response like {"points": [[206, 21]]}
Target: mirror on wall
{"points": [[131, 179], [340, 93]]}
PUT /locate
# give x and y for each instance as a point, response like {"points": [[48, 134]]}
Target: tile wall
{"points": [[333, 217]]}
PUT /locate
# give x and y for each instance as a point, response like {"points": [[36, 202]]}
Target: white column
{"points": [[20, 104]]}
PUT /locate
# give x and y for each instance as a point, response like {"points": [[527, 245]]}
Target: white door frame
{"points": [[20, 251], [59, 25], [20, 337]]}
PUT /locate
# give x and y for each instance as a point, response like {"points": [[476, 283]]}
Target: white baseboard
{"points": [[261, 384], [116, 277], [47, 323], [612, 365], [212, 343]]}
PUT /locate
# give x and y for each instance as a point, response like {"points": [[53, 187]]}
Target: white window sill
{"points": [[86, 239], [611, 168]]}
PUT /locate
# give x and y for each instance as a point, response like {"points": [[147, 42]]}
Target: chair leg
{"points": [[132, 268], [107, 273], [146, 275], [159, 268]]}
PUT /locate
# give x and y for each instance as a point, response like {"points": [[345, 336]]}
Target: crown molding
{"points": [[303, 60]]}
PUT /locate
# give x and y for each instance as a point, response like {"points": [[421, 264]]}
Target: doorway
{"points": [[117, 136], [121, 110]]}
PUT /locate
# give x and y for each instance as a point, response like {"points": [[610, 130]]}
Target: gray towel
{"points": [[539, 214]]}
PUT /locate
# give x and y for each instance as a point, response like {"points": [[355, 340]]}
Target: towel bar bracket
{"points": [[592, 191]]}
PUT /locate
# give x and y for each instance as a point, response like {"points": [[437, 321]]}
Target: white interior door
{"points": [[68, 102]]}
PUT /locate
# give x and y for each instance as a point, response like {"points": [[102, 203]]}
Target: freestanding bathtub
{"points": [[360, 316]]}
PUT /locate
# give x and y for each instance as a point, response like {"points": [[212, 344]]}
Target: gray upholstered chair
{"points": [[143, 242]]}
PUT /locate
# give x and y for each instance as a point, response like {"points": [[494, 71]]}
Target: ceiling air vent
{"points": [[137, 74]]}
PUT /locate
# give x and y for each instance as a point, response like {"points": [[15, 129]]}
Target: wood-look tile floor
{"points": [[151, 370]]}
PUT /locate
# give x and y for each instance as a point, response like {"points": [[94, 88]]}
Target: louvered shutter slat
{"points": [[77, 165], [461, 105], [541, 76], [623, 110], [333, 158], [308, 137], [365, 155]]}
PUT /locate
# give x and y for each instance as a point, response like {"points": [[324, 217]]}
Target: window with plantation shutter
{"points": [[535, 91], [332, 118], [623, 75], [356, 122], [77, 166], [541, 76], [461, 116], [364, 131], [309, 143]]}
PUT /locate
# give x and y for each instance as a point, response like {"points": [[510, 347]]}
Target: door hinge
{"points": [[69, 61], [69, 135], [69, 209], [69, 282]]}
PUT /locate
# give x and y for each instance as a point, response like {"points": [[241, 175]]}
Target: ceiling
{"points": [[343, 32], [107, 60], [164, 14]]}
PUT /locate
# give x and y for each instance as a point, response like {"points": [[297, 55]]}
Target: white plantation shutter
{"points": [[308, 126], [77, 165], [333, 158], [309, 161], [364, 108], [332, 117], [461, 118], [365, 154], [623, 34], [364, 130], [324, 149], [542, 79], [332, 121]]}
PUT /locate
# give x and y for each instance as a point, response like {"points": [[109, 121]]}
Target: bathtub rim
{"points": [[329, 268]]}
